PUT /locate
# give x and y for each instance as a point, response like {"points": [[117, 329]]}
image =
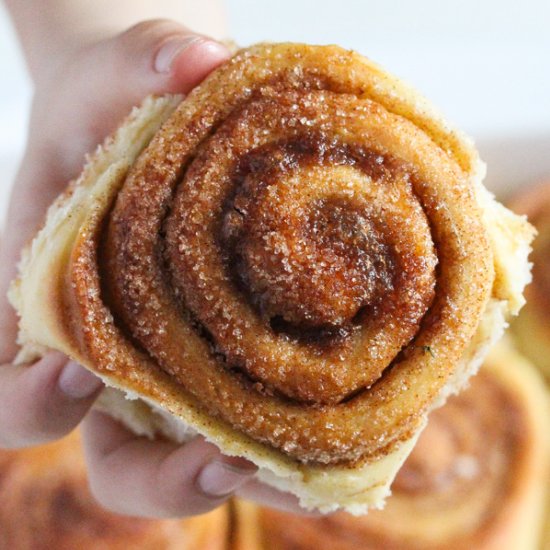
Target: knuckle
{"points": [[102, 497], [147, 26], [138, 44], [149, 32], [180, 499], [106, 492], [31, 414]]}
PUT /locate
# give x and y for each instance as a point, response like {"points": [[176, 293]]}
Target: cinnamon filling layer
{"points": [[315, 245], [306, 263]]}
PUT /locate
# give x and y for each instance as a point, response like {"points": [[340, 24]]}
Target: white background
{"points": [[485, 63]]}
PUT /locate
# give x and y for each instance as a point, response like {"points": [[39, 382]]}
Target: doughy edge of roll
{"points": [[327, 488]]}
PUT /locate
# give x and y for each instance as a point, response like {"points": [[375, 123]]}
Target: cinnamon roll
{"points": [[45, 504], [532, 327], [298, 261], [476, 478]]}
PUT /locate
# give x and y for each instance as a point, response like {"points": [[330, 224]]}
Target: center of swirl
{"points": [[315, 267], [295, 258], [304, 242]]}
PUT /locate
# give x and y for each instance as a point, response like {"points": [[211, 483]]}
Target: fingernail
{"points": [[219, 479], [171, 50], [78, 383]]}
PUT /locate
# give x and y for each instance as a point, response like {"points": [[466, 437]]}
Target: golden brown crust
{"points": [[283, 376], [153, 292], [45, 503], [185, 305], [532, 327], [476, 479]]}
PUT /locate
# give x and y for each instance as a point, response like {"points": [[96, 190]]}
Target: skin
{"points": [[104, 73]]}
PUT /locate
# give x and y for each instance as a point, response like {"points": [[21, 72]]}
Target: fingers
{"points": [[43, 402], [134, 476]]}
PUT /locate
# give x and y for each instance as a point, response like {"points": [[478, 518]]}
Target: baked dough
{"points": [[333, 439]]}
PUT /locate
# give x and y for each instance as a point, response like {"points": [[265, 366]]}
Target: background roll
{"points": [[532, 327]]}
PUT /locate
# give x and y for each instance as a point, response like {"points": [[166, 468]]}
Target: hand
{"points": [[83, 98]]}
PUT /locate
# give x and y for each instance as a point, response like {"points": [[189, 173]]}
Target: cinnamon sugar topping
{"points": [[286, 247]]}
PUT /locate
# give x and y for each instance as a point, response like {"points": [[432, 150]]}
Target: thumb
{"points": [[156, 56], [96, 89]]}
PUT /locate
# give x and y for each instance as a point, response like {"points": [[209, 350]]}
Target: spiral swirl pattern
{"points": [[296, 253]]}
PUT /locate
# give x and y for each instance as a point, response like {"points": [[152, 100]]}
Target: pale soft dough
{"points": [[36, 296]]}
